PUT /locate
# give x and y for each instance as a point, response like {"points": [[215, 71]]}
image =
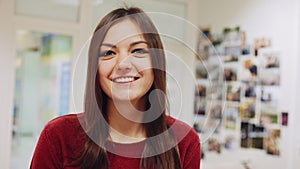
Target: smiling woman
{"points": [[125, 122], [125, 69]]}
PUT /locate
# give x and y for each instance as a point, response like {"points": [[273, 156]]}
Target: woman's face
{"points": [[125, 69]]}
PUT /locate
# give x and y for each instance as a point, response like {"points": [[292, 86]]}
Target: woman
{"points": [[124, 125]]}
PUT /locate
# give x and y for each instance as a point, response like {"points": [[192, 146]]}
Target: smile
{"points": [[124, 79]]}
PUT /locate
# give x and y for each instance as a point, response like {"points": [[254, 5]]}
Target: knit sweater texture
{"points": [[63, 138]]}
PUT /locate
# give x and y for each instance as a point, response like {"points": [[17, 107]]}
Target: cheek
{"points": [[103, 73], [104, 69], [149, 74], [146, 67], [143, 64]]}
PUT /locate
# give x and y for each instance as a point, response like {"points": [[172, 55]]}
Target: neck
{"points": [[124, 119]]}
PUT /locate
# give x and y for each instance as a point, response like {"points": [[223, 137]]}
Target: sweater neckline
{"points": [[130, 150]]}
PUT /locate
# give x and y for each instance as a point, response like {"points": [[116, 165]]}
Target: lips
{"points": [[126, 79]]}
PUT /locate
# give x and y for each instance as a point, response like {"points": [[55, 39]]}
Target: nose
{"points": [[124, 62]]}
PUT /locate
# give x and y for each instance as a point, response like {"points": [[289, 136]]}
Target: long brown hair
{"points": [[94, 154]]}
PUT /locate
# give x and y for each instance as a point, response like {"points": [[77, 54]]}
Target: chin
{"points": [[124, 98]]}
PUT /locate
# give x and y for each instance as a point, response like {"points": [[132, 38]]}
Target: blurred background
{"points": [[232, 67]]}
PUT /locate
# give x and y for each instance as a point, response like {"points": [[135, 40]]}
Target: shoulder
{"points": [[60, 141], [184, 133], [65, 134], [188, 143], [61, 122], [62, 128]]}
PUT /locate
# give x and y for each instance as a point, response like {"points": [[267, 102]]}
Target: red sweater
{"points": [[63, 138]]}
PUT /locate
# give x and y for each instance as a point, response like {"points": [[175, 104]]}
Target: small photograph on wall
{"points": [[270, 95], [214, 125], [248, 109], [215, 91], [252, 135], [207, 70], [250, 89], [266, 118], [232, 50], [200, 96], [270, 77], [199, 124], [261, 43], [207, 125], [249, 68], [201, 71], [269, 114], [203, 49], [269, 58], [230, 73], [214, 109], [214, 144], [204, 43], [245, 131], [231, 114], [257, 136], [201, 90], [231, 142], [272, 142], [284, 118], [233, 91], [200, 106]]}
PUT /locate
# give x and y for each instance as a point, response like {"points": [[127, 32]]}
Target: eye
{"points": [[107, 53], [140, 51]]}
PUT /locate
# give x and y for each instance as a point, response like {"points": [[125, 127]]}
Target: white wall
{"points": [[296, 139], [278, 20], [7, 80]]}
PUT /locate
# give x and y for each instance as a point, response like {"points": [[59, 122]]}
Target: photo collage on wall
{"points": [[237, 92]]}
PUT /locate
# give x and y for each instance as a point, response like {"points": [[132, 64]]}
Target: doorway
{"points": [[42, 87]]}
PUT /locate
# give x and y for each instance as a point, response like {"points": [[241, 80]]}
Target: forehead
{"points": [[123, 30]]}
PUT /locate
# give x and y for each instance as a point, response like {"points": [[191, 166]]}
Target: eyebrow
{"points": [[138, 42], [132, 44], [108, 45]]}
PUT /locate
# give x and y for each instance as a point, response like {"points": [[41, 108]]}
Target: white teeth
{"points": [[124, 79]]}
